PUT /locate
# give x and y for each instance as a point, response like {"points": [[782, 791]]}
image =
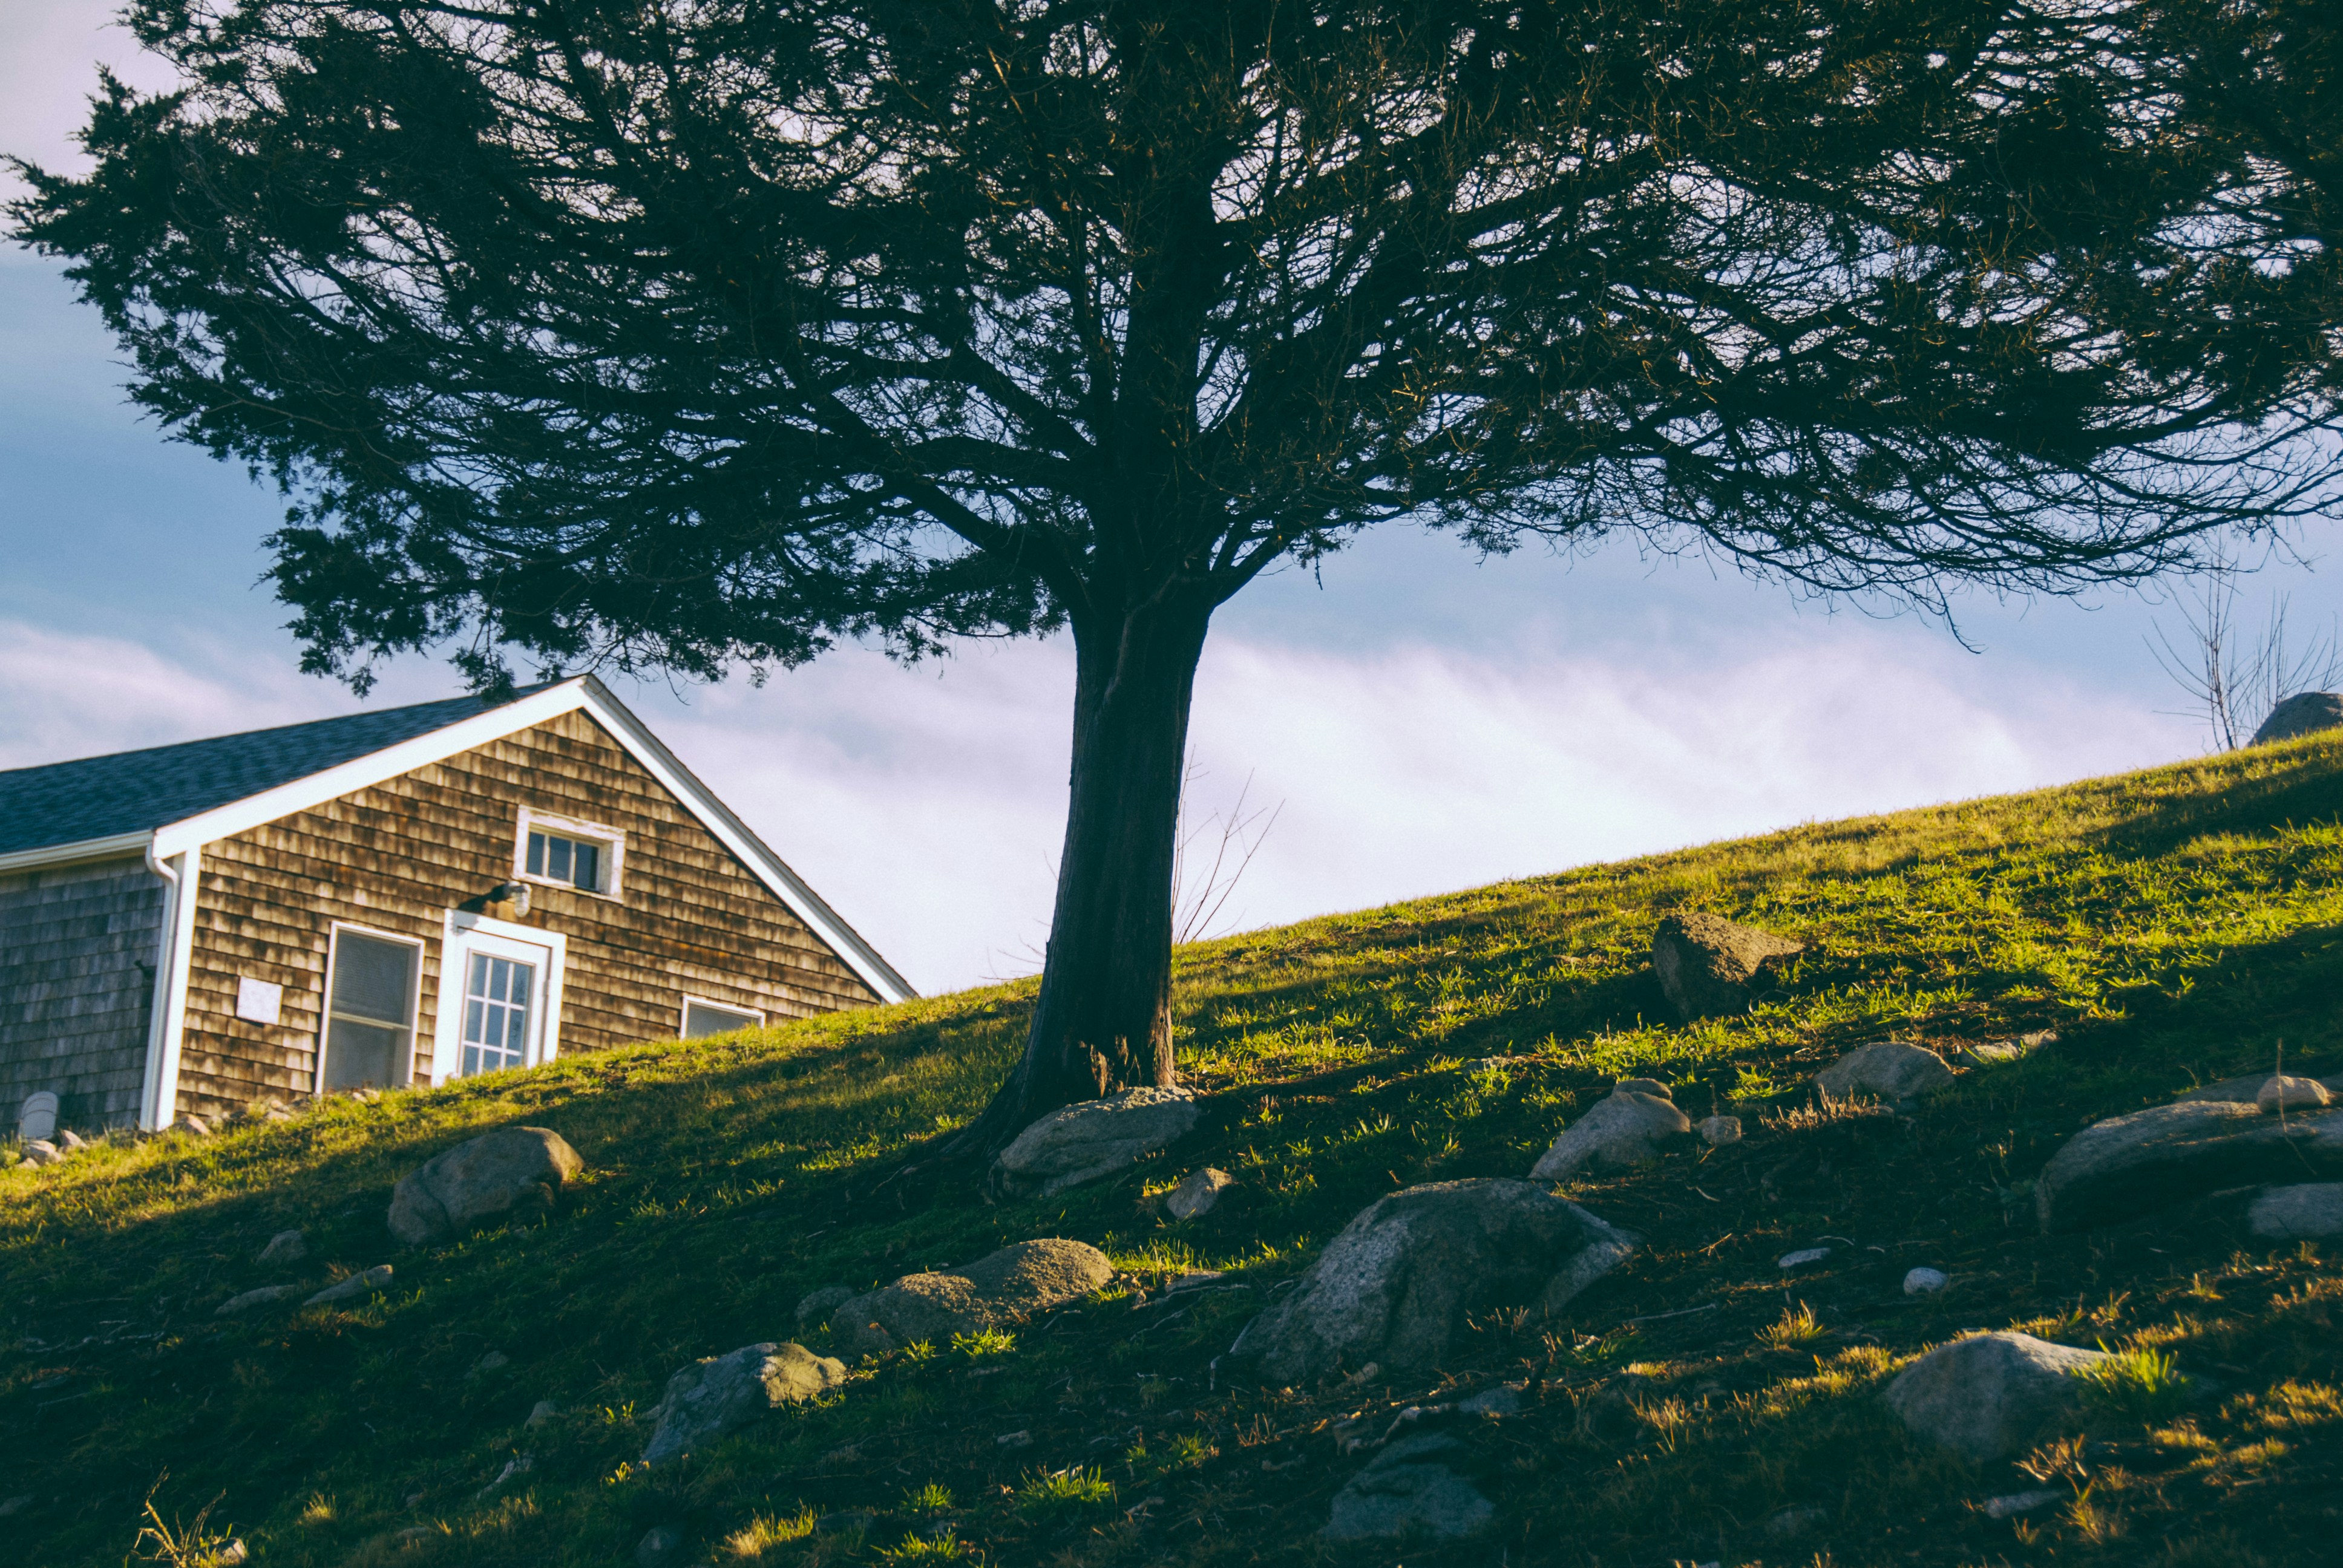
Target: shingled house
{"points": [[399, 897]]}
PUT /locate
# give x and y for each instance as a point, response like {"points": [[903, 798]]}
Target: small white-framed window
{"points": [[565, 852], [373, 982], [701, 1016]]}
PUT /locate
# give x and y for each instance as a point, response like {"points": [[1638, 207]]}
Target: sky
{"points": [[1419, 719]]}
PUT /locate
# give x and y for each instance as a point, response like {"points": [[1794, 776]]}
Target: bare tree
{"points": [[2235, 678], [1196, 907]]}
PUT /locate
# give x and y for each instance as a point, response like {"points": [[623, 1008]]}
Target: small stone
{"points": [[1708, 965], [356, 1285], [71, 1142], [284, 1247], [262, 1297], [1095, 1137], [815, 1307], [1195, 1281], [1503, 1400], [515, 1465], [2285, 1093], [1020, 1439], [194, 1125], [1624, 1128], [1991, 1396], [495, 1360], [1717, 1131], [16, 1504], [999, 1288], [1651, 1086], [41, 1151], [2012, 1504], [415, 1532], [2148, 1160], [659, 1548], [2304, 713], [1889, 1069], [2305, 1212], [1925, 1282], [1398, 1495], [1198, 1192], [1800, 1258], [540, 1413], [1795, 1522], [721, 1394]]}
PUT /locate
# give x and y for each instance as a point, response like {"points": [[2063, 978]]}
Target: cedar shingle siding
{"points": [[77, 946], [396, 857]]}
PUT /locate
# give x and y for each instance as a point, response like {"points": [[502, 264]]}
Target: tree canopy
{"points": [[689, 334]]}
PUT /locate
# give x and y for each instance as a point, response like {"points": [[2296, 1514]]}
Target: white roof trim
{"points": [[106, 848], [465, 735]]}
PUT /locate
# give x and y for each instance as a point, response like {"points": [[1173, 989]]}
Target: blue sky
{"points": [[1426, 721]]}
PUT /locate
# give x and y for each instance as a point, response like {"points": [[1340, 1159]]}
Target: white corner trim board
{"points": [[182, 878]]}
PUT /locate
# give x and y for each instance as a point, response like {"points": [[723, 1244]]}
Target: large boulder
{"points": [[1991, 1396], [1708, 965], [511, 1173], [1889, 1069], [1402, 1494], [2150, 1160], [2304, 713], [1096, 1137], [723, 1393], [1624, 1128], [1396, 1286], [1005, 1287]]}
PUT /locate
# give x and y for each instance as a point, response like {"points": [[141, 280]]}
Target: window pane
{"points": [[590, 872], [701, 1019], [557, 859], [373, 978], [362, 1055], [536, 854]]}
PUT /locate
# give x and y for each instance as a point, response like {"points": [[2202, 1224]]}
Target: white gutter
{"points": [[111, 847]]}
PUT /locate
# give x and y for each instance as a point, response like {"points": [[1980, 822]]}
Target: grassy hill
{"points": [[2174, 926]]}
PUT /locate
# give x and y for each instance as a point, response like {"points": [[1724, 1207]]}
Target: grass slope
{"points": [[2175, 926]]}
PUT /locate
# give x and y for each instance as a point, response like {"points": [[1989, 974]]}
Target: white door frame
{"points": [[448, 1030]]}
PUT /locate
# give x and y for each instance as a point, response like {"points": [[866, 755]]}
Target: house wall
{"points": [[396, 857], [77, 946]]}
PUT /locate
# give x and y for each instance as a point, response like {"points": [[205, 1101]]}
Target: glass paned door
{"points": [[497, 997], [495, 994]]}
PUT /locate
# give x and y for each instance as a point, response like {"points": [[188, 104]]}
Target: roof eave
{"points": [[112, 846]]}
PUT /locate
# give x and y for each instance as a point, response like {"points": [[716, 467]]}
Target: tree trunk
{"points": [[1103, 1019]]}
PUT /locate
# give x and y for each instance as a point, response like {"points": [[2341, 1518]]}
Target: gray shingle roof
{"points": [[133, 791]]}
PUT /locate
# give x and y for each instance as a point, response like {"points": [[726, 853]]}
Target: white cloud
{"points": [[927, 804]]}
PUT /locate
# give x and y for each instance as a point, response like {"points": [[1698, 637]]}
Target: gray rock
{"points": [[2305, 1211], [1198, 1193], [2009, 1505], [723, 1393], [1651, 1086], [41, 1151], [1399, 1495], [1397, 1285], [2247, 1090], [2001, 1052], [1925, 1282], [194, 1125], [1624, 1128], [510, 1172], [1006, 1287], [659, 1548], [266, 1295], [352, 1288], [494, 1362], [540, 1413], [1717, 1132], [16, 1504], [1800, 1258], [2131, 1165], [2304, 713], [1504, 1399], [284, 1247], [1096, 1137], [1890, 1068], [2282, 1092], [1991, 1396], [1708, 965], [815, 1307], [71, 1142]]}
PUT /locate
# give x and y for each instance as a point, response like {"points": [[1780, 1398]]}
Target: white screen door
{"points": [[500, 987]]}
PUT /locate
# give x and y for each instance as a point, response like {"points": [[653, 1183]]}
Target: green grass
{"points": [[2175, 926]]}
